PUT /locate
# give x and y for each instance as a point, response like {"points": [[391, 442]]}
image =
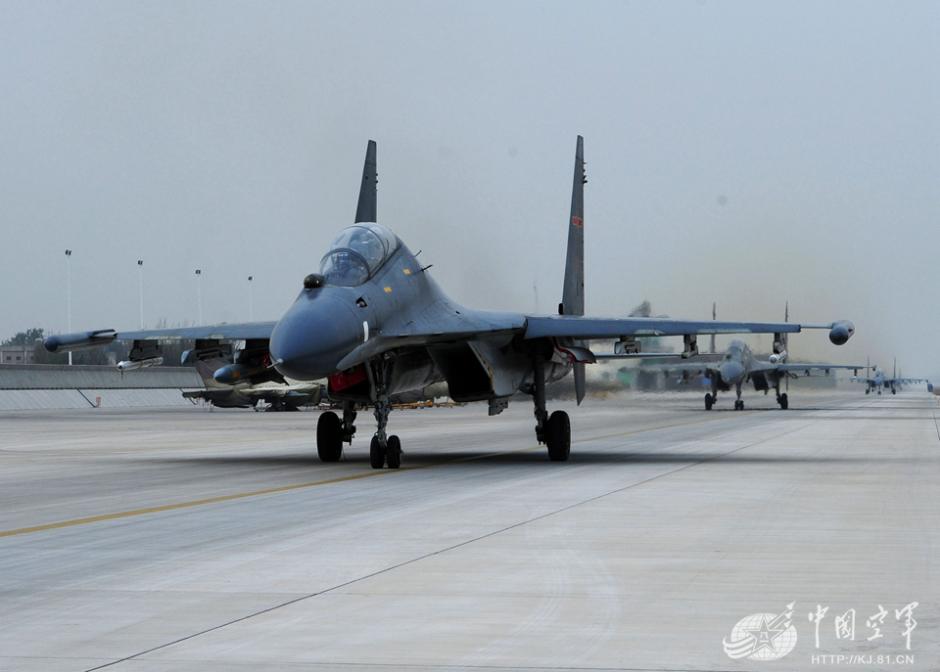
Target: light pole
{"points": [[251, 310], [68, 295], [140, 286], [199, 291]]}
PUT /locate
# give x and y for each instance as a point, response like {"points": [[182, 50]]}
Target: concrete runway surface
{"points": [[187, 540]]}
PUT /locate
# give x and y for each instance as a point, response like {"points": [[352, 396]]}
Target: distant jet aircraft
{"points": [[879, 381], [270, 395], [739, 365], [375, 323]]}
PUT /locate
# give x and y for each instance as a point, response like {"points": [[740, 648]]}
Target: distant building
{"points": [[17, 354]]}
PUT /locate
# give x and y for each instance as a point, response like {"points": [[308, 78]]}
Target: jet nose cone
{"points": [[731, 372], [312, 336]]}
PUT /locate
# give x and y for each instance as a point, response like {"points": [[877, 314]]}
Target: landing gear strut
{"points": [[383, 449], [712, 399], [332, 432], [553, 430]]}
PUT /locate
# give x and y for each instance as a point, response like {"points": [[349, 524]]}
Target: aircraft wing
{"points": [[805, 369], [570, 326], [690, 367], [473, 325], [91, 339]]}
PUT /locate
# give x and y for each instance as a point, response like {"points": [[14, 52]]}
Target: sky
{"points": [[747, 153]]}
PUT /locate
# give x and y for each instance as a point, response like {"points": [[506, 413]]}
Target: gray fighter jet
{"points": [[374, 322], [269, 395], [739, 365], [879, 381]]}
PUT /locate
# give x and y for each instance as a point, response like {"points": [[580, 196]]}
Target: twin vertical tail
{"points": [[366, 209], [572, 298]]}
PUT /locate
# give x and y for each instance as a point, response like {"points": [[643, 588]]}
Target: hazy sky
{"points": [[740, 152]]}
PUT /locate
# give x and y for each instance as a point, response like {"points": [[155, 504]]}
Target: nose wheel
{"points": [[709, 402], [390, 454]]}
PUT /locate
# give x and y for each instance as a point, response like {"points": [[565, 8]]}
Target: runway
{"points": [[158, 541]]}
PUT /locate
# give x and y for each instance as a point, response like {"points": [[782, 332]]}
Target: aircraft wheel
{"points": [[329, 437], [393, 452], [867, 391], [739, 405], [558, 436], [376, 454], [893, 391], [784, 401], [709, 402]]}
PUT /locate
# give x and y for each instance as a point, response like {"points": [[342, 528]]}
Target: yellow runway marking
{"points": [[184, 505], [295, 486]]}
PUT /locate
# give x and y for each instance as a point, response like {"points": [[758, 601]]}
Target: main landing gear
{"points": [[709, 401], [332, 432], [553, 430], [782, 399], [384, 449]]}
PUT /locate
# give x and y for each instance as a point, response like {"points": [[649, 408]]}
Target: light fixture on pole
{"points": [[140, 286], [199, 291], [68, 295], [251, 309]]}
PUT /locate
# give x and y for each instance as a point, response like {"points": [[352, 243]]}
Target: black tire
{"points": [[893, 391], [867, 391], [709, 402], [393, 452], [329, 437], [558, 436], [739, 405], [376, 454], [784, 401]]}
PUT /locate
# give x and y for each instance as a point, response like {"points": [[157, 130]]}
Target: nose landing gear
{"points": [[384, 449]]}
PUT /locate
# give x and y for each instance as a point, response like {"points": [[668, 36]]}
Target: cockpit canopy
{"points": [[357, 253], [735, 350]]}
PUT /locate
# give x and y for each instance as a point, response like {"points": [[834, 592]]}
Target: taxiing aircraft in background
{"points": [[878, 380], [268, 395], [739, 365]]}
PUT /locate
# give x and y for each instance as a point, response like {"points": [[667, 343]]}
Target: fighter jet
{"points": [[739, 365], [373, 321], [879, 381], [269, 395]]}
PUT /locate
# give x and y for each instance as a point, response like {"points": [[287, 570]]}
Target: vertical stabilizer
{"points": [[366, 209], [572, 298]]}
